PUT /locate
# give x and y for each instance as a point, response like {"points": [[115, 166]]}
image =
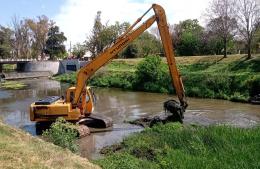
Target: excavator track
{"points": [[94, 123]]}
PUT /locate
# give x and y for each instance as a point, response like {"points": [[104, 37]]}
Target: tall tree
{"points": [[248, 16], [213, 43], [147, 44], [79, 50], [144, 45], [110, 33], [155, 31], [102, 36], [131, 51], [221, 19], [219, 31], [5, 42], [39, 30], [187, 37], [93, 43], [256, 40], [55, 43], [22, 38]]}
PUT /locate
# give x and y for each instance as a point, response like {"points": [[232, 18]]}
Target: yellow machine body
{"points": [[49, 110]]}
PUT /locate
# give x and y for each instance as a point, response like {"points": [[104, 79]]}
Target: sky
{"points": [[76, 17]]}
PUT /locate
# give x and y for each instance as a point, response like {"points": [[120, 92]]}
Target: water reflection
{"points": [[14, 104]]}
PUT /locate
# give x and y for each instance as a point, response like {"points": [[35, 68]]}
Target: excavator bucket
{"points": [[176, 110], [173, 113]]}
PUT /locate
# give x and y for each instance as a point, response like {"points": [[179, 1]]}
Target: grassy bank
{"points": [[20, 150], [9, 67], [233, 78], [13, 85], [174, 146]]}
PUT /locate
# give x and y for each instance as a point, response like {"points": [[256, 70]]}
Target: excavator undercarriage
{"points": [[46, 111]]}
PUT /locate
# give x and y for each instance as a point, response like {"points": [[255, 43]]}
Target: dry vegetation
{"points": [[21, 150]]}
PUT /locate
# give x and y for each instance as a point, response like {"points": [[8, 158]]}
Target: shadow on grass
{"points": [[245, 64]]}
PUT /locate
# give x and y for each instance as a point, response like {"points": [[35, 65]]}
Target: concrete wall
{"points": [[51, 66], [69, 65], [55, 67], [83, 63]]}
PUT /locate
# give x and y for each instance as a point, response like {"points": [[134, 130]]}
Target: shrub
{"points": [[62, 133], [151, 75], [238, 97], [113, 79]]}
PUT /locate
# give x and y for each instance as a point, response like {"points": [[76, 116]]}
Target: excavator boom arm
{"points": [[87, 71], [168, 49]]}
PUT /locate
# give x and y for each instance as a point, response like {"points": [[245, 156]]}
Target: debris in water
{"points": [[255, 99], [83, 131], [12, 85], [151, 121]]}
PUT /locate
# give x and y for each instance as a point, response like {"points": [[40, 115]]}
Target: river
{"points": [[121, 106]]}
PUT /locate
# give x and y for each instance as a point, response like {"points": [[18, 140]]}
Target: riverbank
{"points": [[233, 78], [21, 150], [176, 146], [120, 106]]}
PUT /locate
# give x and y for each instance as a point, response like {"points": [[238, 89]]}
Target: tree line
{"points": [[232, 26], [32, 38]]}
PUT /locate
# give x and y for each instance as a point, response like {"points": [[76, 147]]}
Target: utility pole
{"points": [[70, 48]]}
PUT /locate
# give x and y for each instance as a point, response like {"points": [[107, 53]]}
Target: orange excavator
{"points": [[78, 104]]}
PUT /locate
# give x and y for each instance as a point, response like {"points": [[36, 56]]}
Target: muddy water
{"points": [[121, 106]]}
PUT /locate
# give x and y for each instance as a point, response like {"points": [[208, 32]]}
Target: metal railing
{"points": [[17, 60]]}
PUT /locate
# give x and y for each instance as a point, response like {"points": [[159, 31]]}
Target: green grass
{"points": [[233, 78], [12, 85], [176, 146], [9, 67], [68, 78], [122, 66], [63, 133], [233, 64], [21, 150]]}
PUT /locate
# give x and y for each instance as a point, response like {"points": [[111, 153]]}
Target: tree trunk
{"points": [[225, 48], [249, 49]]}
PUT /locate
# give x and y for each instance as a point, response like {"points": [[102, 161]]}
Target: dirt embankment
{"points": [[21, 150]]}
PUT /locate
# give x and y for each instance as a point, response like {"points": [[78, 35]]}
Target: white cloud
{"points": [[76, 17]]}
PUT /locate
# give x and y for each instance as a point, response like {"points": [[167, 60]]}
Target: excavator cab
{"points": [[86, 101]]}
